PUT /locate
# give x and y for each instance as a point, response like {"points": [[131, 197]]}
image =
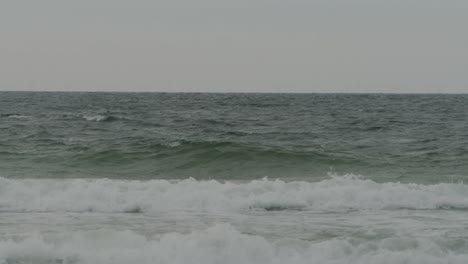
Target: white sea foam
{"points": [[97, 118], [18, 116], [337, 193], [172, 144], [221, 244]]}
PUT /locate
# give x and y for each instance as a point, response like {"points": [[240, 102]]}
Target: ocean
{"points": [[233, 178]]}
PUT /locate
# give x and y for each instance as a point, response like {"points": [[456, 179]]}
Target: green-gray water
{"points": [[233, 178], [408, 138]]}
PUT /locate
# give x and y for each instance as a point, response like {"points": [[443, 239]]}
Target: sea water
{"points": [[233, 178]]}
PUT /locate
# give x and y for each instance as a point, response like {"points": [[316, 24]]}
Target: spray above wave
{"points": [[337, 193], [222, 244]]}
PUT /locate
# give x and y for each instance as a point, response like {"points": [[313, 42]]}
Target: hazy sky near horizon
{"points": [[235, 46]]}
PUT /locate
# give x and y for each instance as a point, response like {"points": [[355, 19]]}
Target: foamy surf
{"points": [[120, 196], [222, 244]]}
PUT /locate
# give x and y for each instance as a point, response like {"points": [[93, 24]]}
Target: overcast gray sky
{"points": [[235, 46]]}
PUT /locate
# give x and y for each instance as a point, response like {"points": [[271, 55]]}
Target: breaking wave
{"points": [[124, 196], [222, 243]]}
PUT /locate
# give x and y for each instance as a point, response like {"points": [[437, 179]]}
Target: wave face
{"points": [[420, 138], [155, 196], [220, 244]]}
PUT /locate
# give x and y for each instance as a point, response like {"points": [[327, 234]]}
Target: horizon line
{"points": [[240, 92]]}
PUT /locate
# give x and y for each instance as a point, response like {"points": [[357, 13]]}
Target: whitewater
{"points": [[118, 196], [344, 219]]}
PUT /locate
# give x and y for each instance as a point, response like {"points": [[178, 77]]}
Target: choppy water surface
{"points": [[233, 178]]}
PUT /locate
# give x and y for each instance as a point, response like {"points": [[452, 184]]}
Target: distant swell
{"points": [[119, 196]]}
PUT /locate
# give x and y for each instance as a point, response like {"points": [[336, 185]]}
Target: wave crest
{"points": [[337, 193], [100, 118]]}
